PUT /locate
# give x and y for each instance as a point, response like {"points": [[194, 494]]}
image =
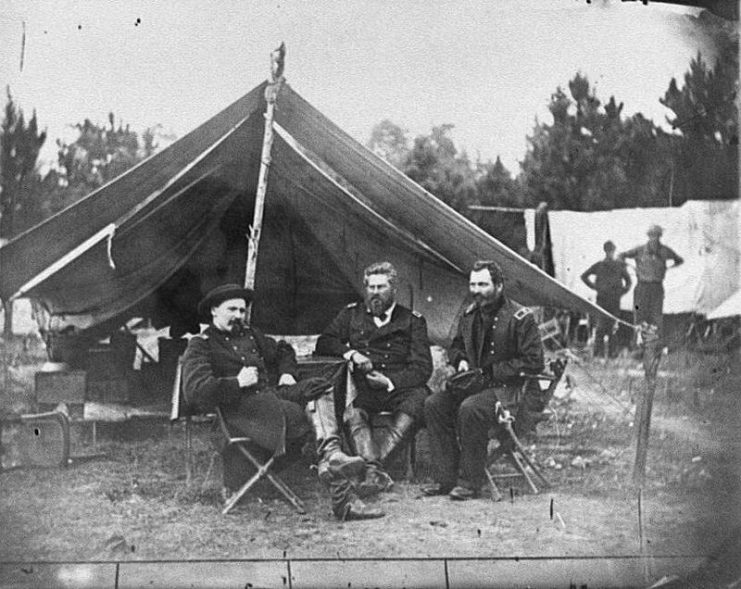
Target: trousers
{"points": [[459, 435], [648, 302], [610, 303]]}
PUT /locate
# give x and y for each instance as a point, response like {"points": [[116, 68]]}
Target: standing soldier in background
{"points": [[611, 281], [651, 259]]}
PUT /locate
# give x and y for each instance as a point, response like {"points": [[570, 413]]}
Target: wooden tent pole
{"points": [[271, 93], [651, 358]]}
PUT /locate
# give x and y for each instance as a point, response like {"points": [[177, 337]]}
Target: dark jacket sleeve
{"points": [[457, 351], [334, 339], [279, 356], [529, 352], [631, 253], [672, 255], [202, 389], [418, 368], [587, 273]]}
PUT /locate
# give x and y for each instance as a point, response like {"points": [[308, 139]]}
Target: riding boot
{"points": [[332, 460], [395, 435], [376, 479], [346, 505]]}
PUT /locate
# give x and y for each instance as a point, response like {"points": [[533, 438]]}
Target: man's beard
{"points": [[235, 326], [377, 304], [482, 300]]}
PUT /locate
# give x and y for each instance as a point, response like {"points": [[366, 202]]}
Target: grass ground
{"points": [[133, 502]]}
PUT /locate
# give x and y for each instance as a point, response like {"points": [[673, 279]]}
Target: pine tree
{"points": [[20, 143]]}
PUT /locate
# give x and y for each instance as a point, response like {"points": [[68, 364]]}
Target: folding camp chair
{"points": [[510, 447], [244, 444]]}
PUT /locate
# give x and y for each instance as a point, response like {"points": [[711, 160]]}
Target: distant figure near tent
{"points": [[611, 281], [651, 259]]}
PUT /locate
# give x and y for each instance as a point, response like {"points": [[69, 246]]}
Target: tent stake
{"points": [[271, 93]]}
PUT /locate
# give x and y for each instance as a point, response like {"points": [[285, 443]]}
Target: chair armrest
{"points": [[238, 440], [539, 376]]}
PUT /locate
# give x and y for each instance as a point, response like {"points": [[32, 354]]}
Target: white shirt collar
{"points": [[381, 322]]}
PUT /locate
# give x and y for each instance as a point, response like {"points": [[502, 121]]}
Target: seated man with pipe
{"points": [[388, 352], [236, 367]]}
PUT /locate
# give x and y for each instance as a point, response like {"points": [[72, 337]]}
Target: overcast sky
{"points": [[489, 67]]}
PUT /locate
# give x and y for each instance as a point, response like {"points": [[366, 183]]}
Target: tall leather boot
{"points": [[332, 460], [376, 479], [346, 505], [396, 434]]}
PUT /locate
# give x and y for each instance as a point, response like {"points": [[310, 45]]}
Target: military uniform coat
{"points": [[400, 349], [211, 363], [511, 344]]}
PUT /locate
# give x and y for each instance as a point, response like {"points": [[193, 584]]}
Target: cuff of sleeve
{"points": [[348, 355]]}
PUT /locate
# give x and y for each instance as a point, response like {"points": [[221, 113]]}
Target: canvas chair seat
{"points": [[244, 444], [510, 447]]}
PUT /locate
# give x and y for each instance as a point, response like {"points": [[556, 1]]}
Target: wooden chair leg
{"points": [[495, 494], [263, 470], [234, 499], [288, 493], [520, 450], [535, 470], [523, 471], [411, 456], [188, 451]]}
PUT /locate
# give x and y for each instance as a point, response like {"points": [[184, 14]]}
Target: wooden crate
{"points": [[61, 387], [115, 390], [34, 440]]}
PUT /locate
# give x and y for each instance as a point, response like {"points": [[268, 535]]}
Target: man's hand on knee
{"points": [[377, 380], [361, 362], [286, 379], [247, 376]]}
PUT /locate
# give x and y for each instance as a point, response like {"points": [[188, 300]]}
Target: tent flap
{"points": [[332, 207]]}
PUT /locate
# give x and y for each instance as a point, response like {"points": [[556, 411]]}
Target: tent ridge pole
{"points": [[277, 58]]}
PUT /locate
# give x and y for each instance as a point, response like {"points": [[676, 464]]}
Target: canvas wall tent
{"points": [[705, 233], [152, 241], [731, 307]]}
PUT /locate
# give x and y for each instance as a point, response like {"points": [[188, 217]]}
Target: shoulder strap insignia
{"points": [[203, 336], [470, 309], [417, 314], [522, 312], [351, 305]]}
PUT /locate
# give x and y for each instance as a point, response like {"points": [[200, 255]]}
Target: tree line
{"points": [[96, 156], [28, 195], [591, 156]]}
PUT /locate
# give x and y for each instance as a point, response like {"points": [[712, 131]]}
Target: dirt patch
{"points": [[134, 503]]}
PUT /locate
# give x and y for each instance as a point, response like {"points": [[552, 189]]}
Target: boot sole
{"points": [[348, 469], [351, 515]]}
